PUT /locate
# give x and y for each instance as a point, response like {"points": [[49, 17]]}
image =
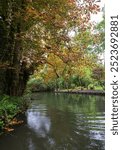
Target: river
{"points": [[60, 122]]}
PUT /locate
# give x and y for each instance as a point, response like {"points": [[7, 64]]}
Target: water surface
{"points": [[60, 122]]}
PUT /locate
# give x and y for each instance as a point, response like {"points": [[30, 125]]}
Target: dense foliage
{"points": [[80, 67], [30, 31]]}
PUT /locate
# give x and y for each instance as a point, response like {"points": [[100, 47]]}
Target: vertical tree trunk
{"points": [[13, 76]]}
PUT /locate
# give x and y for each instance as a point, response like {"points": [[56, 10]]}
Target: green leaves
{"points": [[9, 107]]}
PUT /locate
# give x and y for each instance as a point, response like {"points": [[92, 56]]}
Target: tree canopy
{"points": [[36, 32]]}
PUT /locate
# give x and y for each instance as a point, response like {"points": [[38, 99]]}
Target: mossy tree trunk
{"points": [[13, 72]]}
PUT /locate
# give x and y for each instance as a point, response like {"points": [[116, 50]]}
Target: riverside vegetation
{"points": [[10, 107]]}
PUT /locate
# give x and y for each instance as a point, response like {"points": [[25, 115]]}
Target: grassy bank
{"points": [[9, 108]]}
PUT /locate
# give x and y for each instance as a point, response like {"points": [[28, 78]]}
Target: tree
{"points": [[20, 49]]}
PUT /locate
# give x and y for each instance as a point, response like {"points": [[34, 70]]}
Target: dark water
{"points": [[60, 122]]}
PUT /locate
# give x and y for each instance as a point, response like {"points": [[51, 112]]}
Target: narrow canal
{"points": [[60, 122]]}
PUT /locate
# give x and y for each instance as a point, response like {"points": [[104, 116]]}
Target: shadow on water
{"points": [[60, 122]]}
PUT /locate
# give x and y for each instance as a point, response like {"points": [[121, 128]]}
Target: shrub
{"points": [[9, 107]]}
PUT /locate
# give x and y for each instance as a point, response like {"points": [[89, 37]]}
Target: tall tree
{"points": [[19, 46]]}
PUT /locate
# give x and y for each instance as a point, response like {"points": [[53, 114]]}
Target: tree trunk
{"points": [[13, 76]]}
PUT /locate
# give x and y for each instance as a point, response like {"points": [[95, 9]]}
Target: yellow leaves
{"points": [[50, 43], [66, 63], [31, 12], [55, 62], [50, 76]]}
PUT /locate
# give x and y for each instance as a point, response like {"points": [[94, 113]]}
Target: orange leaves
{"points": [[71, 1], [94, 9], [7, 129], [16, 122], [31, 13], [55, 19], [12, 123]]}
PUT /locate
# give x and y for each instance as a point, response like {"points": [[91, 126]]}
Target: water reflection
{"points": [[38, 122], [31, 145], [60, 122]]}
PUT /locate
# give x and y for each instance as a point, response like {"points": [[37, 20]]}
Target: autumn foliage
{"points": [[36, 32]]}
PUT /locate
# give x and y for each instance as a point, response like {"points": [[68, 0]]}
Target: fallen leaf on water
{"points": [[8, 129], [16, 122]]}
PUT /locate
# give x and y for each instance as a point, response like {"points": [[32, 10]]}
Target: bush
{"points": [[85, 81], [37, 85], [91, 86], [9, 107], [1, 124]]}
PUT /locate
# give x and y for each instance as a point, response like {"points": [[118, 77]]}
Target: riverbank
{"points": [[10, 110], [91, 92]]}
